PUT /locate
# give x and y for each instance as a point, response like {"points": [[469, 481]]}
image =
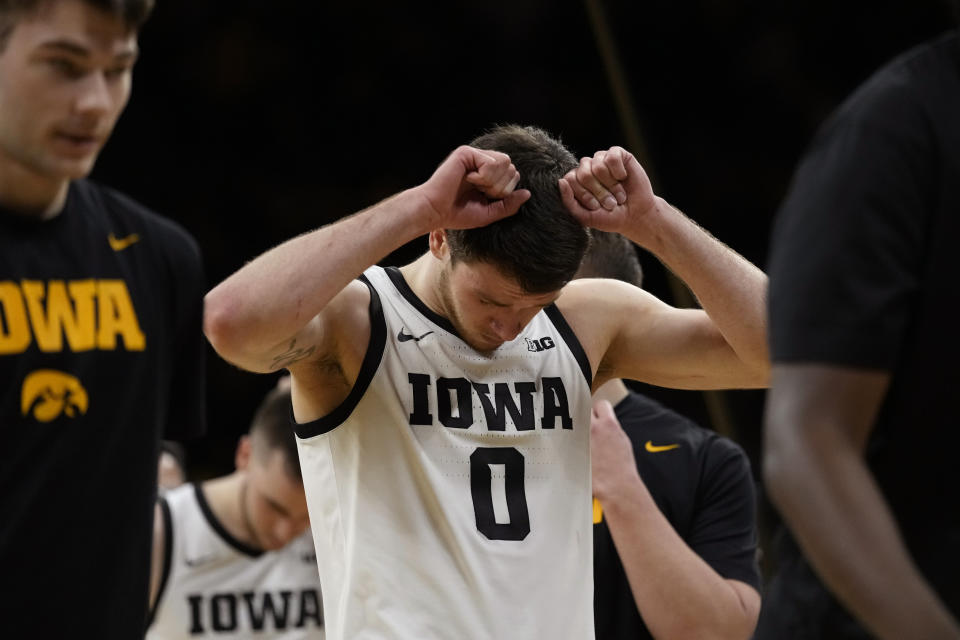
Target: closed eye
{"points": [[276, 506], [66, 68], [117, 72]]}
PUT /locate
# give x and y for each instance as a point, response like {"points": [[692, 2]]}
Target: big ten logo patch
{"points": [[91, 314], [541, 344], [47, 394]]}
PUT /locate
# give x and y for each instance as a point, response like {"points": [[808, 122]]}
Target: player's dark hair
{"points": [[541, 245], [133, 12], [611, 255], [178, 451], [271, 426]]}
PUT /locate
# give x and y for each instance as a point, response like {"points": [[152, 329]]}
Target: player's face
{"points": [[275, 502], [169, 471], [64, 80], [487, 307]]}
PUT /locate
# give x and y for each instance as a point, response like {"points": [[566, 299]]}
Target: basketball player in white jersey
{"points": [[171, 469], [443, 408], [232, 556]]}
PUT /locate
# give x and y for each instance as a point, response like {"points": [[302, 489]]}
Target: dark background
{"points": [[255, 120]]}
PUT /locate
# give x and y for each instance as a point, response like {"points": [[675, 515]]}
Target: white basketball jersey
{"points": [[449, 494], [214, 585]]}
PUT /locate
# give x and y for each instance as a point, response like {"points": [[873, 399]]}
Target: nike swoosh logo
{"points": [[403, 337], [119, 244], [654, 448], [196, 562]]}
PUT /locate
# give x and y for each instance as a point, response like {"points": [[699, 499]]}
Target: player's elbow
{"points": [[221, 323], [781, 464], [744, 614], [756, 363], [759, 368], [738, 625], [737, 620]]}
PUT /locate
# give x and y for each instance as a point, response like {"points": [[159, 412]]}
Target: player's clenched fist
{"points": [[609, 191], [472, 188]]}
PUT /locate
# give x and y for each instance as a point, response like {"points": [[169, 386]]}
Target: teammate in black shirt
{"points": [[675, 538], [101, 351], [861, 427]]}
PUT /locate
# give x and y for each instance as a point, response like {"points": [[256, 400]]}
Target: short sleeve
{"points": [[846, 252], [723, 531]]}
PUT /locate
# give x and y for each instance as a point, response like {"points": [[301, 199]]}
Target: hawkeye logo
{"points": [[90, 314], [47, 394]]}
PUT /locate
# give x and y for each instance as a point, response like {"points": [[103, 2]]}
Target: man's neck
{"points": [[225, 497], [423, 277], [612, 391], [25, 193]]}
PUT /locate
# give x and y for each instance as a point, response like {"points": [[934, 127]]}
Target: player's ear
{"points": [[438, 244], [244, 452]]}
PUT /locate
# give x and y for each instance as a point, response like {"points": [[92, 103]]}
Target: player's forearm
{"points": [[835, 509], [273, 297], [731, 290], [677, 593]]}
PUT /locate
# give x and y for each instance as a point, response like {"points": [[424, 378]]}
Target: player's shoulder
{"points": [[929, 64], [583, 301], [601, 297], [906, 91], [648, 421], [181, 501], [352, 303], [587, 290], [125, 216], [644, 418]]}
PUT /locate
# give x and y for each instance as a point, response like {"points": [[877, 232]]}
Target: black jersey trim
{"points": [[404, 289], [167, 558], [371, 362], [242, 547], [572, 342]]}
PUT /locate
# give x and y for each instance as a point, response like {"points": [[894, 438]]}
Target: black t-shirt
{"points": [[705, 489], [863, 273], [101, 354]]}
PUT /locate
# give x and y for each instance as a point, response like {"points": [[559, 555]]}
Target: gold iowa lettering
{"points": [[92, 314]]}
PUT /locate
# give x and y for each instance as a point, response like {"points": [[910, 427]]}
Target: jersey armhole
{"points": [[167, 558], [371, 362], [570, 338]]}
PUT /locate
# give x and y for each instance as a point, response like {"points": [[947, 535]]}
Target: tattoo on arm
{"points": [[292, 354]]}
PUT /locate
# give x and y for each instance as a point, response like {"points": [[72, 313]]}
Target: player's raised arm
{"points": [[271, 312], [725, 344]]}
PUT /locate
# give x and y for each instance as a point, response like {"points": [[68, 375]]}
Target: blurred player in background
{"points": [[232, 556], [675, 539], [861, 428], [172, 466], [101, 350]]}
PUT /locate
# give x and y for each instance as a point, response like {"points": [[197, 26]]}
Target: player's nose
{"points": [[288, 529], [506, 330]]}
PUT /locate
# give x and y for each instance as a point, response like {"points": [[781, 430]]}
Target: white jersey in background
{"points": [[213, 585], [450, 494]]}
